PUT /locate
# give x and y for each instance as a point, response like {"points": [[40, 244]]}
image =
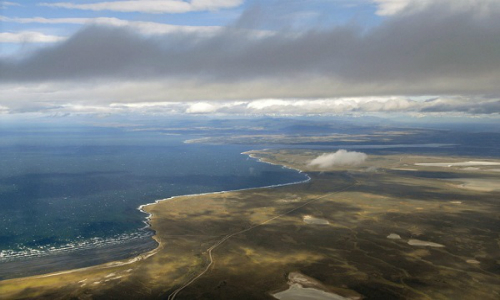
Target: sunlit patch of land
{"points": [[297, 292], [460, 164], [287, 139], [482, 185], [310, 138], [315, 221], [415, 242], [249, 244], [394, 236], [303, 287]]}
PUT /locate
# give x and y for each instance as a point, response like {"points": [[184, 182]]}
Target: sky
{"points": [[413, 58]]}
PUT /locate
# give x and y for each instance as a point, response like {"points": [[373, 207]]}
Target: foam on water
{"points": [[44, 250]]}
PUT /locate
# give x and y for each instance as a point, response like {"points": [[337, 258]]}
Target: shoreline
{"points": [[50, 265], [250, 155], [143, 255]]}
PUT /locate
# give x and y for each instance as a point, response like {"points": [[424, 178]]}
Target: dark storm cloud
{"points": [[436, 50]]}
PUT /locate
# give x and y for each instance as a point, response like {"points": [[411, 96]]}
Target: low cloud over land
{"points": [[339, 158]]}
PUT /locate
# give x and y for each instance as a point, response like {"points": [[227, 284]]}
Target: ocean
{"points": [[69, 196]]}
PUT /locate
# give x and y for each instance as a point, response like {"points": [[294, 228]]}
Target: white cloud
{"points": [[3, 110], [393, 7], [142, 27], [28, 37], [390, 7], [192, 97], [6, 4], [339, 158], [151, 6], [331, 105], [201, 108], [267, 104]]}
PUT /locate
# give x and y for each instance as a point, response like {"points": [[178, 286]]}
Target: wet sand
{"points": [[77, 259]]}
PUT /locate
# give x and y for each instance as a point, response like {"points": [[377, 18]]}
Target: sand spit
{"points": [[414, 242], [460, 164], [315, 221]]}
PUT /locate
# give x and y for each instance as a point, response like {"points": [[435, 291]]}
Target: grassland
{"points": [[246, 244]]}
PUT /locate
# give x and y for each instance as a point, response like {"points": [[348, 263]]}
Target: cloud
{"points": [[147, 28], [3, 110], [461, 104], [6, 4], [151, 6], [393, 7], [332, 105], [444, 48], [28, 37], [433, 52], [339, 158], [201, 108], [179, 97]]}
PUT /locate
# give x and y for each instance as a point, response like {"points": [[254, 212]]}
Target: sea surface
{"points": [[69, 196]]}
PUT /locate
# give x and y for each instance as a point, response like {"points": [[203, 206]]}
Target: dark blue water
{"points": [[65, 189]]}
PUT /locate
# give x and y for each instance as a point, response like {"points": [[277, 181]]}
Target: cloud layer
{"points": [[151, 6], [28, 37], [392, 7], [433, 51], [184, 98], [339, 158], [146, 28], [439, 47]]}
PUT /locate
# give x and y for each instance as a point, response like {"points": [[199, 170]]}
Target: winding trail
{"points": [[226, 237]]}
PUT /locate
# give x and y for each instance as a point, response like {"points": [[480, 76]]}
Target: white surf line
{"points": [[225, 238]]}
